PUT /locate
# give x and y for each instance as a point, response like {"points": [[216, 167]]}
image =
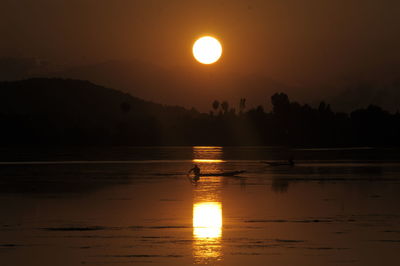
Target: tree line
{"points": [[293, 124], [70, 112]]}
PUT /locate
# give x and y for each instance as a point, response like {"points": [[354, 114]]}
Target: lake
{"points": [[137, 206]]}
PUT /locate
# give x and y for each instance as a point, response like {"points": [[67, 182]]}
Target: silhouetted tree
{"points": [[280, 103], [322, 107], [242, 105], [215, 105], [225, 106]]}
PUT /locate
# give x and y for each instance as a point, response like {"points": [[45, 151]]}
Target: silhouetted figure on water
{"points": [[196, 171]]}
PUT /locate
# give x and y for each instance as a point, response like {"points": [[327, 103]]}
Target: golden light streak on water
{"points": [[207, 232], [207, 161]]}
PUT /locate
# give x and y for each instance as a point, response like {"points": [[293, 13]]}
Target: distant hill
{"points": [[68, 111], [190, 86], [194, 86], [362, 95], [199, 87]]}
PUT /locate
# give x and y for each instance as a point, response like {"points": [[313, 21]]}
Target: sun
{"points": [[207, 50]]}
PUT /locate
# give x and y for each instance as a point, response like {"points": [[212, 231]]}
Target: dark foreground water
{"points": [[136, 206]]}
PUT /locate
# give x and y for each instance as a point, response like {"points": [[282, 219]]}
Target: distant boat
{"points": [[232, 173], [288, 163]]}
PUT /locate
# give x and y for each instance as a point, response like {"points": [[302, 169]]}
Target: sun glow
{"points": [[207, 50]]}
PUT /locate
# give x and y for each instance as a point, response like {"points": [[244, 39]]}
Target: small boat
{"points": [[232, 173], [289, 163]]}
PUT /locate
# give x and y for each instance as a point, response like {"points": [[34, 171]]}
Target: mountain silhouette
{"points": [[185, 86], [198, 85], [63, 111]]}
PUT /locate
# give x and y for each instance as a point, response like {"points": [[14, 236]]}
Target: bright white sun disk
{"points": [[207, 50]]}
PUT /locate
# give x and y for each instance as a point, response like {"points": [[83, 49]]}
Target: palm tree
{"points": [[215, 105], [242, 105], [225, 106]]}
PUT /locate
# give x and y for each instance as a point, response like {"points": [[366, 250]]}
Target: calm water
{"points": [[136, 206]]}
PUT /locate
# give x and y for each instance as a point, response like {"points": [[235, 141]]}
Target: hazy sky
{"points": [[296, 42]]}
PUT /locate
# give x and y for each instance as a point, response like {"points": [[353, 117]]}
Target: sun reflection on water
{"points": [[207, 232], [207, 161], [207, 207], [206, 154], [207, 220]]}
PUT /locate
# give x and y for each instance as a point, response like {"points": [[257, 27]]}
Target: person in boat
{"points": [[196, 171]]}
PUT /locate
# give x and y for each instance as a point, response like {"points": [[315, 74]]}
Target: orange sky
{"points": [[299, 43]]}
